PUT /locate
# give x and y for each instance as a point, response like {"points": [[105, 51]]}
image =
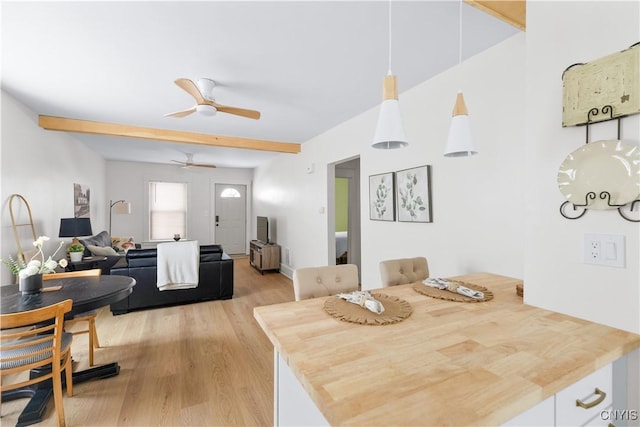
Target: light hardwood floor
{"points": [[204, 364]]}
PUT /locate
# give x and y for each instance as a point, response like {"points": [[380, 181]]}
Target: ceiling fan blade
{"points": [[251, 114], [179, 162], [202, 165], [190, 87], [181, 113]]}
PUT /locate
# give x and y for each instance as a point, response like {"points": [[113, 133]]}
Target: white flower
{"points": [[34, 263], [40, 242], [63, 263], [29, 271], [50, 264]]}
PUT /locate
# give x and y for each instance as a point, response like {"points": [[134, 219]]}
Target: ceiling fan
{"points": [[206, 105], [189, 163]]}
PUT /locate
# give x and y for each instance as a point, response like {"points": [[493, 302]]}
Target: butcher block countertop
{"points": [[449, 363]]}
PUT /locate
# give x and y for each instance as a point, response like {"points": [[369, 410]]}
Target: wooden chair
{"points": [[314, 282], [89, 317], [403, 270], [34, 339]]}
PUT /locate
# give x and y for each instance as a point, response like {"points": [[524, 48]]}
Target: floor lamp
{"points": [[121, 207]]}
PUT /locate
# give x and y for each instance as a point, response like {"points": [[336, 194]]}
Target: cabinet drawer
{"points": [[568, 413]]}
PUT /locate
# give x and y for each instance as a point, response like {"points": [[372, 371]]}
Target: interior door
{"points": [[230, 217]]}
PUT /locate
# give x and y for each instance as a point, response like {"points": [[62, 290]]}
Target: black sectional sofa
{"points": [[215, 280]]}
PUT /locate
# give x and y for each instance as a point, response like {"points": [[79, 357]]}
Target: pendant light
{"points": [[460, 141], [389, 131]]}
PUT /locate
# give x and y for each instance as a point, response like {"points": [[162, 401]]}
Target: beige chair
{"points": [[314, 282], [36, 339], [89, 317], [404, 270]]}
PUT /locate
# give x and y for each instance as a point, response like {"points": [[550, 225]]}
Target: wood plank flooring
{"points": [[204, 364]]}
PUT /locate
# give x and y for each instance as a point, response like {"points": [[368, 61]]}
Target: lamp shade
{"points": [[122, 207], [389, 130], [460, 142], [74, 227]]}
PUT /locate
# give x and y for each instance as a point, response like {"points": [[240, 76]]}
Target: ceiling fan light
{"points": [[389, 131], [206, 110]]}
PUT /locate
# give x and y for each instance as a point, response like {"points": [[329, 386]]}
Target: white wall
{"points": [[43, 166], [478, 201], [560, 34], [129, 181]]}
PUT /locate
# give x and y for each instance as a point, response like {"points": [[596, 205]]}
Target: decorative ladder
{"points": [[19, 200]]}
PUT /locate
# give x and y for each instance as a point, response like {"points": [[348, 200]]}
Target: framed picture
{"points": [[81, 197], [382, 197], [413, 193]]}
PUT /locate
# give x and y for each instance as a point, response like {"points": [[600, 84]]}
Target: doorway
{"points": [[230, 220], [344, 212]]}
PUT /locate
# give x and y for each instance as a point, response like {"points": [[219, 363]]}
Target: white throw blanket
{"points": [[178, 264]]}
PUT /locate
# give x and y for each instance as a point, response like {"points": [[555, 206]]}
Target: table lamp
{"points": [[74, 227]]}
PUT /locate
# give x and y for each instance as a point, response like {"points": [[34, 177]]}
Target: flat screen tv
{"points": [[262, 228]]}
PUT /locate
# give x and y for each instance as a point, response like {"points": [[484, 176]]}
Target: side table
{"points": [[87, 263]]}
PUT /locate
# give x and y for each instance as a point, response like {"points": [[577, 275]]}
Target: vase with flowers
{"points": [[30, 273]]}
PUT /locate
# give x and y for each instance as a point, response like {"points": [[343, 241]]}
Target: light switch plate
{"points": [[604, 249]]}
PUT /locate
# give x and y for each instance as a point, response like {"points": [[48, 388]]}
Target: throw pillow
{"points": [[101, 250], [100, 239], [121, 244]]}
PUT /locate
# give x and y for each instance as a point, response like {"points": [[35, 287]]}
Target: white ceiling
{"points": [[305, 65]]}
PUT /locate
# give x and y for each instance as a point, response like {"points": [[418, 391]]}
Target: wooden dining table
{"points": [[87, 293]]}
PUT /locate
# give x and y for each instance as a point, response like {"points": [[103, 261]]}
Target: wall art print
{"points": [[413, 194], [382, 197], [81, 197]]}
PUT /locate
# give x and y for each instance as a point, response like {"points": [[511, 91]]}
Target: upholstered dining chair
{"points": [[314, 282], [89, 316], [403, 270], [35, 339]]}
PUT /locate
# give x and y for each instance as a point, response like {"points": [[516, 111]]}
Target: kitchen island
{"points": [[449, 363]]}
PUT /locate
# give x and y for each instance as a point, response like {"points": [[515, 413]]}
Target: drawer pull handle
{"points": [[601, 396]]}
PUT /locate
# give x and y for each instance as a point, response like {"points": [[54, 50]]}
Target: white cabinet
{"points": [[584, 400], [543, 414], [598, 406]]}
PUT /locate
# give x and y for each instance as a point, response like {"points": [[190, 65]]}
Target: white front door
{"points": [[230, 217]]}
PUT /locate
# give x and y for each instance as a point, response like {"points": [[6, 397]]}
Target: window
{"points": [[167, 210], [230, 193]]}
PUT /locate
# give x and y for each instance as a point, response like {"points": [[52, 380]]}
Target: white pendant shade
{"points": [[389, 131], [460, 141]]}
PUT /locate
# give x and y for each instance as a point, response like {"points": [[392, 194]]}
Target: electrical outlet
{"points": [[604, 249], [595, 250]]}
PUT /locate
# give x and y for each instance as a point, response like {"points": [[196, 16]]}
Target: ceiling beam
{"points": [[111, 129], [512, 12]]}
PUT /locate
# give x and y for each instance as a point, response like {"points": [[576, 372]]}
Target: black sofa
{"points": [[215, 280]]}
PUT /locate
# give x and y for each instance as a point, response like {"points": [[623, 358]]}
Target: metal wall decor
{"points": [[602, 199], [613, 80]]}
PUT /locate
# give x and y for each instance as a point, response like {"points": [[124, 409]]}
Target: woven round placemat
{"points": [[395, 310], [451, 296]]}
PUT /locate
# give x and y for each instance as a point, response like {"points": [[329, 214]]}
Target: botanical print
{"points": [[81, 196], [381, 197], [414, 194]]}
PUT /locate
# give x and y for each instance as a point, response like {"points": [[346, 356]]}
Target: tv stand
{"points": [[264, 256]]}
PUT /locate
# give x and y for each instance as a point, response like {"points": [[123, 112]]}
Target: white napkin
{"points": [[363, 299], [453, 287]]}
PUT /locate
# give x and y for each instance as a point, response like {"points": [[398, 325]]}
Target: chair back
{"points": [[403, 270], [96, 272], [314, 282], [32, 339]]}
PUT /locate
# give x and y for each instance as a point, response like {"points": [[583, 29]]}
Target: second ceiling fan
{"points": [[202, 92], [189, 163]]}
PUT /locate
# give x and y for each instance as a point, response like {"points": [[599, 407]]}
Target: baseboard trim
{"points": [[286, 271]]}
